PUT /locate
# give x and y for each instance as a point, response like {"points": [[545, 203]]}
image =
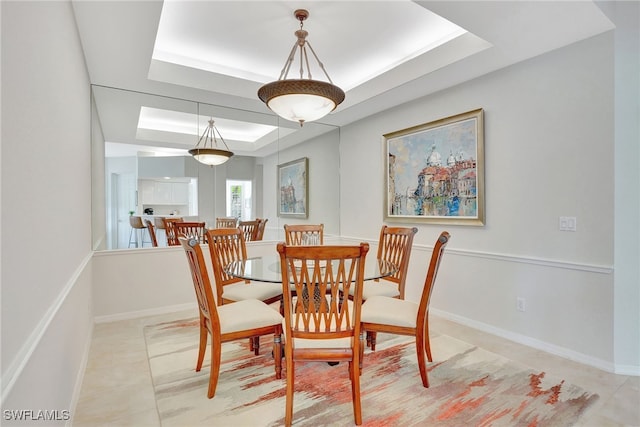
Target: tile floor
{"points": [[117, 388]]}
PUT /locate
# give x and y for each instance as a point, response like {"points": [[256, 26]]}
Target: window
{"points": [[239, 199]]}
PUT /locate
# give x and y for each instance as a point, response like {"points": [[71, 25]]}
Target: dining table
{"points": [[266, 268]]}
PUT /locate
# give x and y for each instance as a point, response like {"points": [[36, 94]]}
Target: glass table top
{"points": [[267, 269]]}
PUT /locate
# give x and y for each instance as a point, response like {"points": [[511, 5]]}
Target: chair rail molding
{"points": [[20, 361], [567, 265]]}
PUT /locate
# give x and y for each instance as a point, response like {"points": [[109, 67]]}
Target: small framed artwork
{"points": [[293, 189], [435, 172]]}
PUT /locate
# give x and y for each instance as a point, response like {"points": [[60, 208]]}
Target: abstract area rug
{"points": [[469, 386]]}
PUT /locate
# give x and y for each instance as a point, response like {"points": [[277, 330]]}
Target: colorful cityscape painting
{"points": [[435, 171], [293, 189]]}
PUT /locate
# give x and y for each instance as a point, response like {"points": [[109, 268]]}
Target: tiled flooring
{"points": [[117, 388]]}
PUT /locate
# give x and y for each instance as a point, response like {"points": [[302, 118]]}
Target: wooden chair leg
{"points": [[216, 353], [256, 345], [420, 343], [427, 341], [361, 353], [288, 417], [355, 387], [202, 348], [277, 353], [373, 340]]}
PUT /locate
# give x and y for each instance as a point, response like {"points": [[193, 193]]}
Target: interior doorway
{"points": [[123, 202]]}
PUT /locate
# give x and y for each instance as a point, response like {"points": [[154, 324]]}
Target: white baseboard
{"points": [[144, 313], [531, 342], [77, 389]]}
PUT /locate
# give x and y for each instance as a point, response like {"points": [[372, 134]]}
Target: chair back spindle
{"points": [[170, 231], [250, 230], [226, 222], [395, 246], [304, 234], [191, 229], [225, 246]]}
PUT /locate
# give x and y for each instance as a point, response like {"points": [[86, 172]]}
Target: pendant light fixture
{"points": [[304, 99], [209, 153]]}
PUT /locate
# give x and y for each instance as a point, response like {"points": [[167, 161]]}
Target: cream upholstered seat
{"points": [[396, 316], [321, 324], [244, 319]]}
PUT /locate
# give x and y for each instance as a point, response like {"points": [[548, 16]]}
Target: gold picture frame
{"points": [[434, 172]]}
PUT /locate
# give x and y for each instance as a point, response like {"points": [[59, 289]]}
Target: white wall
{"points": [[46, 205], [324, 184], [140, 282], [549, 147], [626, 15]]}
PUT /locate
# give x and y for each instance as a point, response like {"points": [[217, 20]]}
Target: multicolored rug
{"points": [[468, 387]]}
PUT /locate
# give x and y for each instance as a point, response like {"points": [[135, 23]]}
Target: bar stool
{"points": [[137, 227]]}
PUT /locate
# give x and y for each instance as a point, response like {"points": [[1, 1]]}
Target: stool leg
{"points": [[130, 233], [145, 231]]}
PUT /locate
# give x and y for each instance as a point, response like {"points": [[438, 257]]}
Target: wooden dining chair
{"points": [[304, 234], [169, 230], [191, 229], [261, 227], [324, 325], [226, 222], [244, 319], [225, 246], [250, 229], [394, 246], [152, 232], [401, 317]]}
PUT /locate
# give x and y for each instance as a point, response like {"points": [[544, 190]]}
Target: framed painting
{"points": [[435, 172], [293, 189]]}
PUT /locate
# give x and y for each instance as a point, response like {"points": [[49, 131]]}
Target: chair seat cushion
{"points": [[389, 311], [260, 291], [373, 288], [321, 342], [246, 314]]}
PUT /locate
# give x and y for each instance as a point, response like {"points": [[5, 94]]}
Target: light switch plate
{"points": [[568, 223]]}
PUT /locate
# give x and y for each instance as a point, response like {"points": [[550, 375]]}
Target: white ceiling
{"points": [[381, 53]]}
